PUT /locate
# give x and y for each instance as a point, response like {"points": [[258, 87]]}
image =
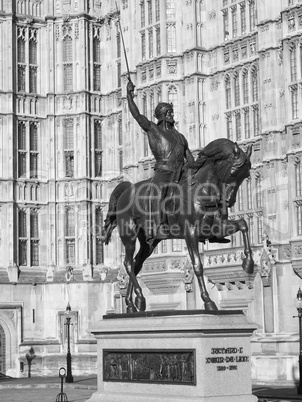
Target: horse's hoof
{"points": [[140, 303], [131, 309], [210, 306], [248, 265]]}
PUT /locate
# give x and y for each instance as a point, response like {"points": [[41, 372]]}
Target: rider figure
{"points": [[169, 147]]}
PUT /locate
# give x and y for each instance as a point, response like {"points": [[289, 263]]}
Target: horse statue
{"points": [[196, 209]]}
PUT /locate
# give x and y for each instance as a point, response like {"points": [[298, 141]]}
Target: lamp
{"points": [[298, 305], [30, 356], [69, 377]]}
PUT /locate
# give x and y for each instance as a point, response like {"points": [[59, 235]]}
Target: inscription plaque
{"points": [[151, 366], [227, 358]]}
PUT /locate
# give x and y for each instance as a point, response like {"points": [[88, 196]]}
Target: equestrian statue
{"points": [[185, 199]]}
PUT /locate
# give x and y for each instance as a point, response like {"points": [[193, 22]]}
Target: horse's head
{"points": [[238, 170], [231, 166]]}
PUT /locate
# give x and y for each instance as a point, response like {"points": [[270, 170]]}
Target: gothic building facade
{"points": [[231, 68]]}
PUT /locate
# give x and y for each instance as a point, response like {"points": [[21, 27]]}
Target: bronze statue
{"points": [[170, 150], [198, 200], [198, 211]]}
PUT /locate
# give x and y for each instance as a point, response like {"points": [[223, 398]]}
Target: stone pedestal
{"points": [[174, 356]]}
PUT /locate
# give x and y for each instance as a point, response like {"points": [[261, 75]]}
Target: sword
{"points": [[119, 24]]}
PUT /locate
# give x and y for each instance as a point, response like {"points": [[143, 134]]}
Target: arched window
{"points": [[258, 193], [22, 237], [254, 85], [237, 89], [249, 194], [67, 49], [229, 125], [170, 10], [173, 98], [143, 14], [238, 125], [70, 222], [21, 64], [22, 151], [299, 220], [247, 126], [260, 229], [67, 63], [252, 6], [228, 91], [171, 38], [240, 199], [69, 148], [245, 85], [293, 62], [70, 235], [234, 21], [152, 105], [298, 179], [99, 254], [251, 229], [33, 65], [96, 64], [98, 150]]}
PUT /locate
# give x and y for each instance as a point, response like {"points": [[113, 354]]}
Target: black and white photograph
{"points": [[150, 200]]}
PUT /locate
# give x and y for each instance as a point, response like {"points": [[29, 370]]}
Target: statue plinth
{"points": [[174, 356]]}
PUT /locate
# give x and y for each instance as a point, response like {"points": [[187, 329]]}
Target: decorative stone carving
{"points": [[226, 56], [87, 271], [13, 272], [291, 22], [66, 28], [265, 260], [155, 266], [172, 66], [214, 83], [298, 249], [176, 264], [50, 273], [212, 15], [287, 251], [68, 274], [123, 281], [76, 31], [189, 277], [280, 53]]}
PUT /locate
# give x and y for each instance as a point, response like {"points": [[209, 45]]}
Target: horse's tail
{"points": [[110, 221]]}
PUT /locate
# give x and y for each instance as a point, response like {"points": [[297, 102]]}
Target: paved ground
{"points": [[275, 393], [43, 395], [46, 389]]}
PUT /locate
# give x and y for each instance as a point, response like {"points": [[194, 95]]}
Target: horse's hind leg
{"points": [[129, 241], [129, 301], [144, 252]]}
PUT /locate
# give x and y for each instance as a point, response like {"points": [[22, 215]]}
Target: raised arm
{"points": [[141, 119]]}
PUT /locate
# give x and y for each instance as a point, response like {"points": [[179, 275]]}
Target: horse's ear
{"points": [[236, 150], [249, 151]]}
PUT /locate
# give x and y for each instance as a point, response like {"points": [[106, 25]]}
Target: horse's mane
{"points": [[218, 149], [221, 153]]}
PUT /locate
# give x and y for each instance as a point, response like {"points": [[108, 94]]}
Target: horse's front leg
{"points": [[231, 227], [129, 298], [192, 244], [129, 264]]}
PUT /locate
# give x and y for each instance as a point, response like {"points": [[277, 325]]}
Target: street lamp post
{"points": [[298, 305], [69, 377]]}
